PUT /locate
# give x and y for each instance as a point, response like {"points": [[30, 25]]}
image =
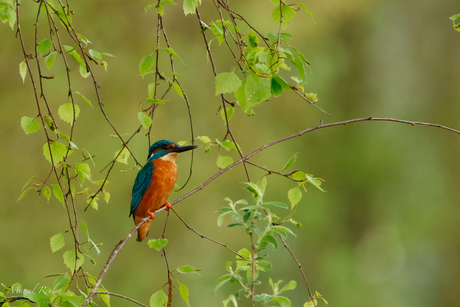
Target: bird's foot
{"points": [[152, 215], [168, 206]]}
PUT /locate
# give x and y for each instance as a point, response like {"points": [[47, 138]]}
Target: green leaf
{"points": [[254, 189], [105, 297], [234, 224], [262, 184], [159, 299], [224, 212], [84, 40], [73, 262], [253, 39], [454, 17], [148, 7], [284, 37], [44, 46], [228, 145], [276, 88], [294, 196], [274, 204], [58, 193], [123, 156], [190, 6], [227, 82], [157, 243], [224, 161], [243, 262], [57, 242], [257, 90], [85, 228], [7, 14], [84, 98], [290, 162], [83, 171], [106, 197], [309, 13], [47, 193], [173, 53], [146, 64], [204, 139], [178, 90], [183, 290], [223, 280], [282, 82], [29, 125], [145, 120], [75, 55], [25, 192], [316, 182], [107, 54], [230, 298], [155, 101], [263, 298], [299, 176], [288, 15], [95, 54], [283, 231], [58, 151], [41, 298], [187, 269], [61, 281], [300, 54], [167, 2], [270, 239], [283, 301], [84, 72], [246, 216], [66, 112], [64, 16], [298, 63], [230, 112], [290, 286], [23, 70], [49, 59]]}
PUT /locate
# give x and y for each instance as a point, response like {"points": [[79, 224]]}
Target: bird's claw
{"points": [[152, 215], [168, 206]]}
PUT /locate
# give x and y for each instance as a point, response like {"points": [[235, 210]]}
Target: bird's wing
{"points": [[141, 184]]}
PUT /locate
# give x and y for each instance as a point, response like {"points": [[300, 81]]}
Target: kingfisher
{"points": [[154, 183]]}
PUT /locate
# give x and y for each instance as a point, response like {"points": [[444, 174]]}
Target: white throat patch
{"points": [[170, 157]]}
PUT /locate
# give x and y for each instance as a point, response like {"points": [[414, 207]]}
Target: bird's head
{"points": [[165, 147]]}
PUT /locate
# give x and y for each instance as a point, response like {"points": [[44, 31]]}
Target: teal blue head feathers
{"points": [[163, 147]]}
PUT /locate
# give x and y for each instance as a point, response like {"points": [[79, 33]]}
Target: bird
{"points": [[154, 183]]}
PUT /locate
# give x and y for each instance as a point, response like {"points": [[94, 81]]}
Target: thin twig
{"points": [[112, 257], [121, 296], [312, 298], [205, 237]]}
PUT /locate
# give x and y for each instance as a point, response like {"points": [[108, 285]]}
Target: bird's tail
{"points": [[143, 231]]}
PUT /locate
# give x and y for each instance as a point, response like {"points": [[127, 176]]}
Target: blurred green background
{"points": [[387, 231]]}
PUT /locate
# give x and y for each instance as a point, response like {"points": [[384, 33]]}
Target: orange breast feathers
{"points": [[163, 180]]}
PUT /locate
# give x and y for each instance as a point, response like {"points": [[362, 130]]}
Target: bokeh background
{"points": [[387, 231]]}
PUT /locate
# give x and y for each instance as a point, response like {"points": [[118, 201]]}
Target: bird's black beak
{"points": [[183, 148]]}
